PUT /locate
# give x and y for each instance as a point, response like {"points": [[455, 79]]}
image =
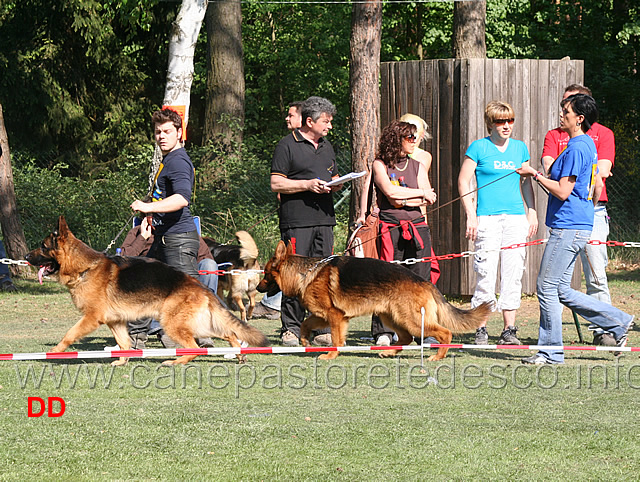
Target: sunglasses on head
{"points": [[501, 122]]}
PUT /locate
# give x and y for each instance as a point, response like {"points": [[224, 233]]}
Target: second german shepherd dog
{"points": [[240, 257], [112, 290], [336, 289]]}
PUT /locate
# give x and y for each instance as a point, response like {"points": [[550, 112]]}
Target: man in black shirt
{"points": [[303, 162], [176, 239]]}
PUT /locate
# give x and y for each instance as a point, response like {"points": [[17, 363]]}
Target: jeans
{"points": [[209, 280], [554, 290], [495, 232], [595, 256]]}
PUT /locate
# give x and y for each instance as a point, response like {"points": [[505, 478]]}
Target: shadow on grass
{"points": [[33, 287], [624, 275]]}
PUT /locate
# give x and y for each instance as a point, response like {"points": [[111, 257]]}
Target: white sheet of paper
{"points": [[346, 177]]}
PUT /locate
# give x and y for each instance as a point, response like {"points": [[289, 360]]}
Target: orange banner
{"points": [[181, 110]]}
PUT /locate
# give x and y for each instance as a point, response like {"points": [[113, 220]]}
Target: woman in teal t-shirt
{"points": [[497, 216]]}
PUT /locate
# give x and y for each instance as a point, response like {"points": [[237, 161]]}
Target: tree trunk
{"points": [[364, 73], [469, 29], [14, 240], [224, 113], [182, 45]]}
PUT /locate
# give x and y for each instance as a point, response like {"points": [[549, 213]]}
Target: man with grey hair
{"points": [[303, 163]]}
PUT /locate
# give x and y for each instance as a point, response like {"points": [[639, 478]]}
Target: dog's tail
{"points": [[224, 323], [248, 250], [458, 320], [253, 336]]}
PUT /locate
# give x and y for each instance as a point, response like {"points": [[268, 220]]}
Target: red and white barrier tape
{"points": [[280, 350], [467, 254], [442, 257]]}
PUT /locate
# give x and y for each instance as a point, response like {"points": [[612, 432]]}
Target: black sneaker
{"points": [[508, 336], [482, 336], [138, 341], [8, 286]]}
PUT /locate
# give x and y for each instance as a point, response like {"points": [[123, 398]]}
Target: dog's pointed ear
{"points": [[281, 251], [290, 250], [63, 227]]}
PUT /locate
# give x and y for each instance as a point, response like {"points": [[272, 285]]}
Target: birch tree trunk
{"points": [[14, 240], [182, 45], [364, 73]]}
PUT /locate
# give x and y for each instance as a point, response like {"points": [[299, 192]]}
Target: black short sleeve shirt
{"points": [[297, 158]]}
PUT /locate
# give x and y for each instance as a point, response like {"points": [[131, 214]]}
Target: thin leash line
{"points": [[441, 206], [257, 223], [128, 223], [470, 192]]}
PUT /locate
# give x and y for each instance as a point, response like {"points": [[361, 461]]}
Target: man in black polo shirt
{"points": [[303, 163]]}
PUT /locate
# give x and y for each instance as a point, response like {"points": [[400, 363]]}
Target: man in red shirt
{"points": [[594, 257]]}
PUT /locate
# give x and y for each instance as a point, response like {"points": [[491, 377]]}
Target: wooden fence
{"points": [[450, 95]]}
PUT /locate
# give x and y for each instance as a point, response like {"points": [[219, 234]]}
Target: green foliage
{"points": [[292, 52], [405, 25], [78, 78], [508, 28], [95, 209]]}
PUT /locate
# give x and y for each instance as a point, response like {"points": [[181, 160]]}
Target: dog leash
{"points": [[443, 205], [106, 250], [322, 261], [254, 225]]}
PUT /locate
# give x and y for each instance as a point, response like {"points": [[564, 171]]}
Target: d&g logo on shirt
{"points": [[504, 165]]}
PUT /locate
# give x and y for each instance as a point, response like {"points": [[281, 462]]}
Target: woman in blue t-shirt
{"points": [[498, 217], [573, 185]]}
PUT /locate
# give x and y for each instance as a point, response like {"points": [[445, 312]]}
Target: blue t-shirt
{"points": [[503, 196], [579, 159]]}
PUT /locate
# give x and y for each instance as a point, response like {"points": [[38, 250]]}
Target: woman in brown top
{"points": [[404, 232]]}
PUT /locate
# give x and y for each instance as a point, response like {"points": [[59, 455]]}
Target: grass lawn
{"points": [[477, 414]]}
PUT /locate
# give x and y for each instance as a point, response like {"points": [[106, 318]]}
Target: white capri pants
{"points": [[495, 232]]}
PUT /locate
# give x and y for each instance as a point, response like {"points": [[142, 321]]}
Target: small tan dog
{"points": [[238, 257]]}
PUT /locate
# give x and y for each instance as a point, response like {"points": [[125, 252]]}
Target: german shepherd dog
{"points": [[239, 257], [336, 289], [112, 290]]}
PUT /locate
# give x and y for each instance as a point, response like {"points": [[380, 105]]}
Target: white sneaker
{"points": [[383, 340]]}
